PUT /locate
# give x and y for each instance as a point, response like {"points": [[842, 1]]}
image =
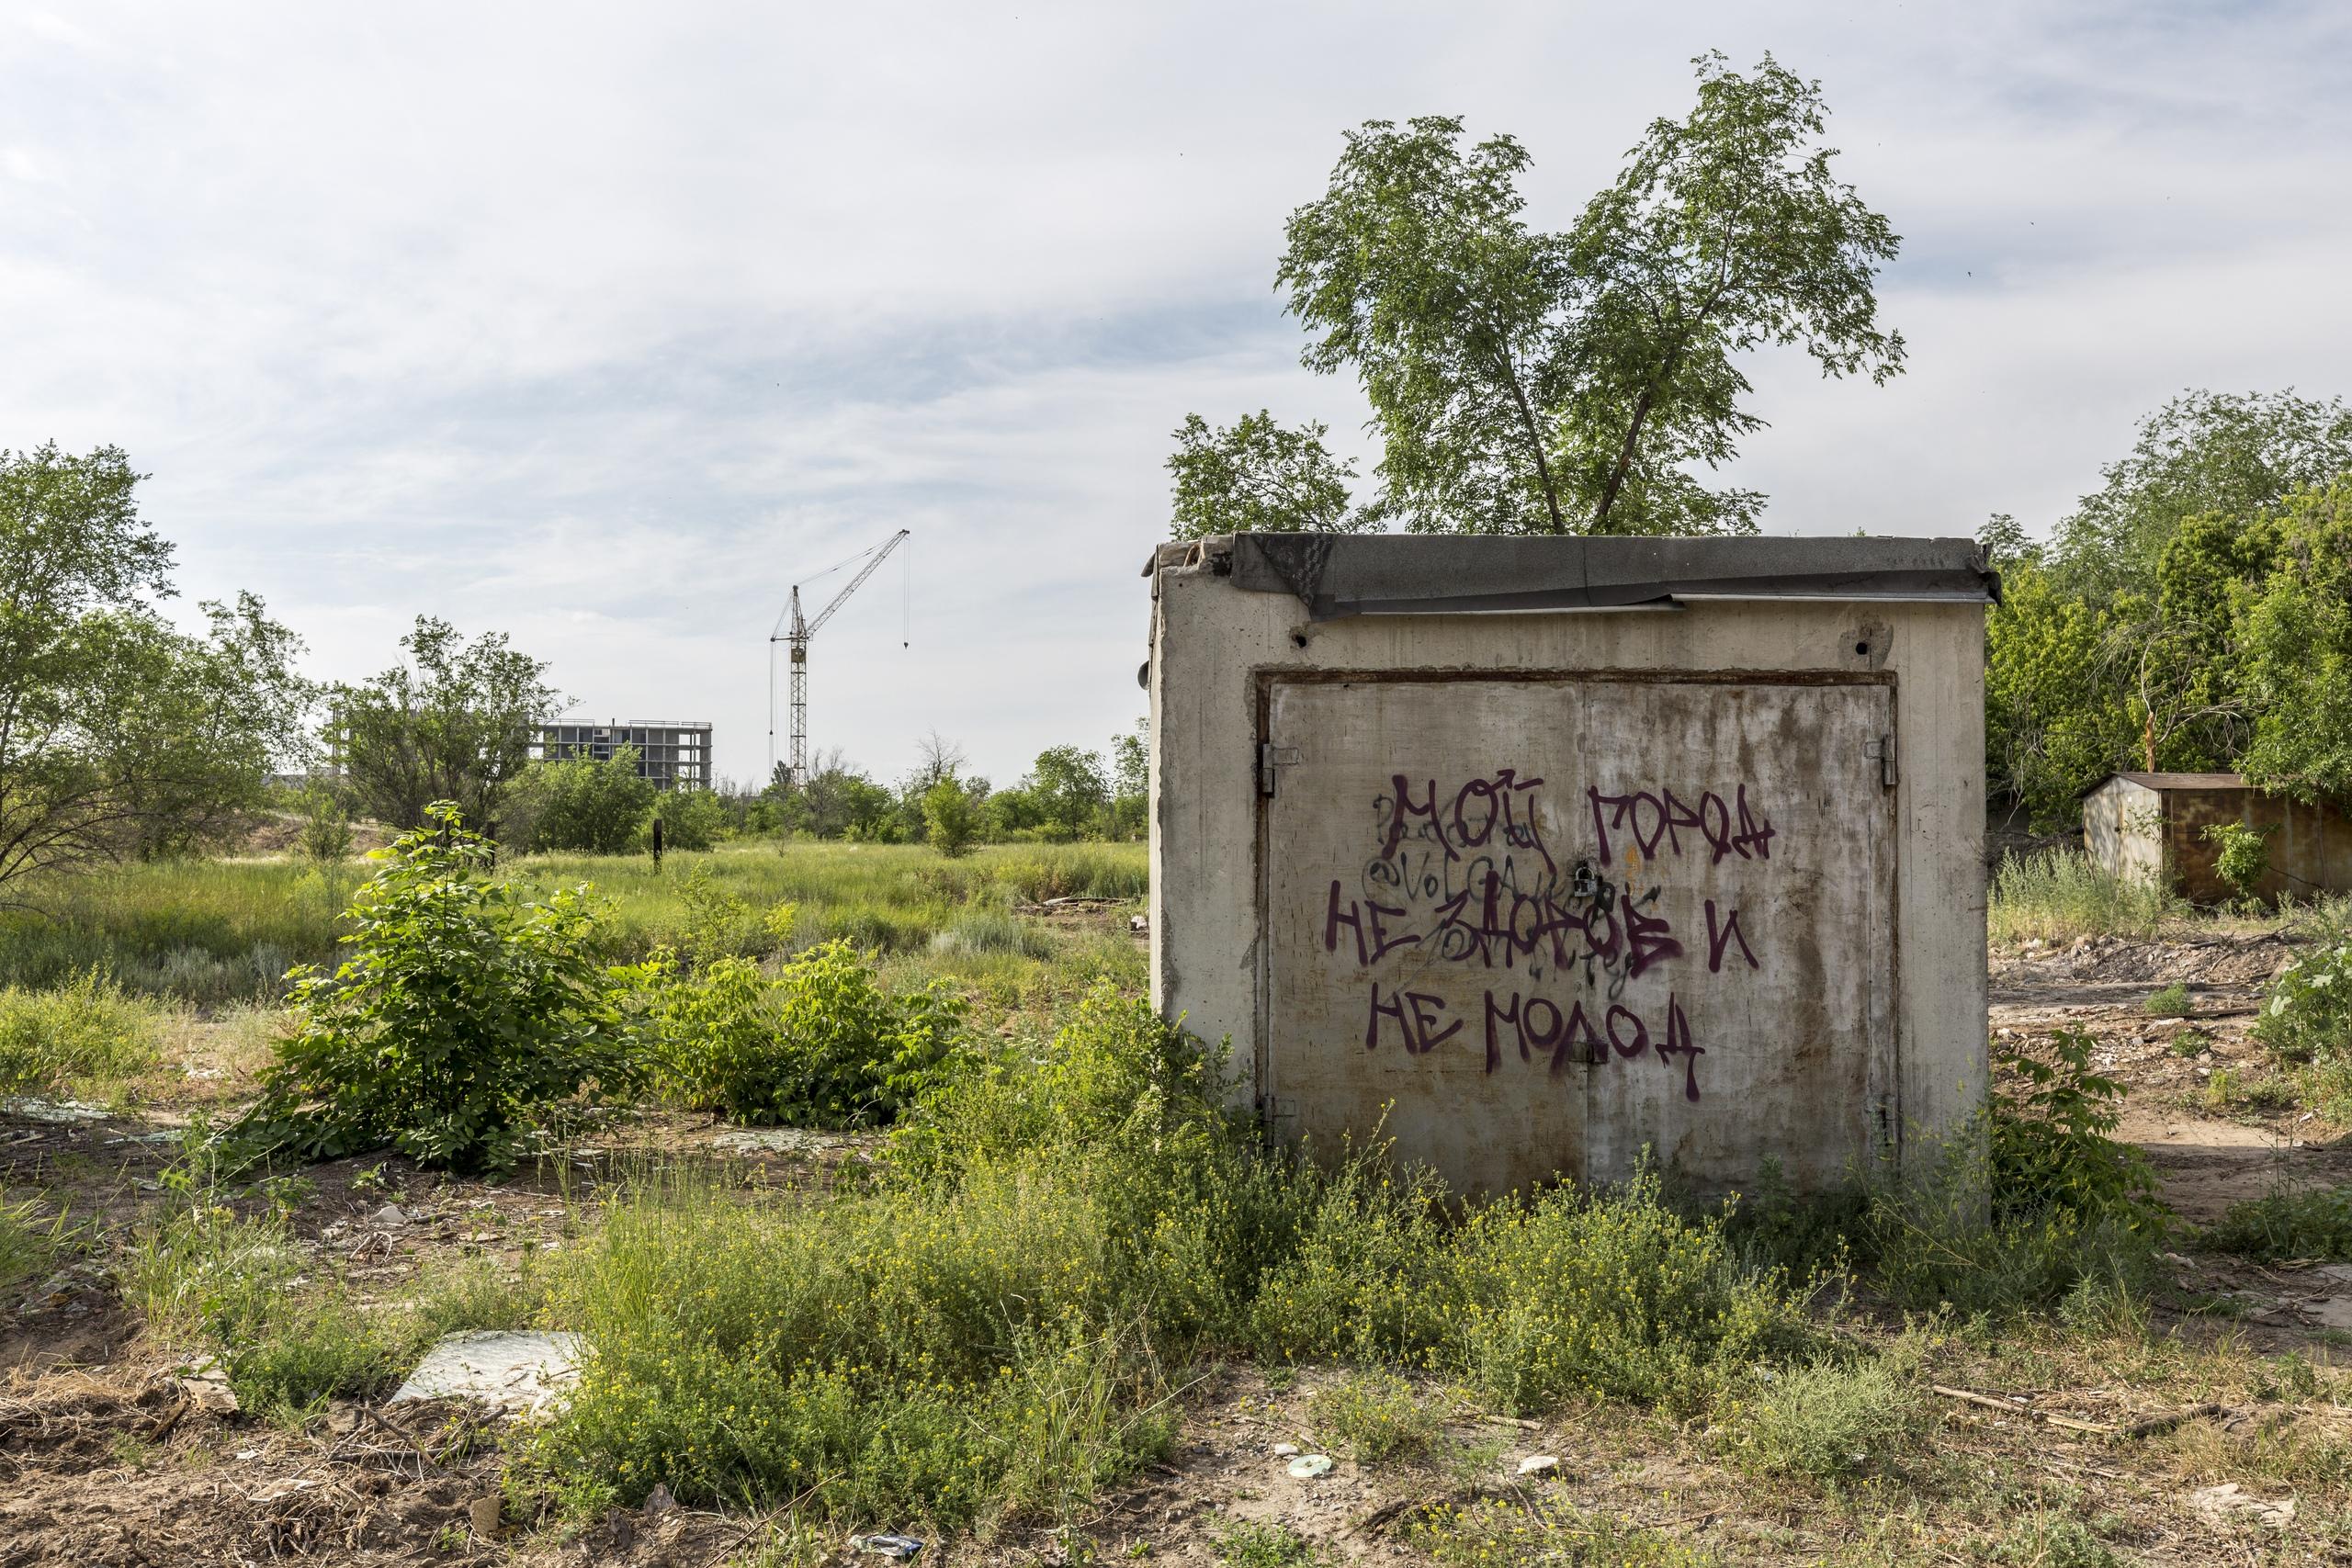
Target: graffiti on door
{"points": [[1546, 937]]}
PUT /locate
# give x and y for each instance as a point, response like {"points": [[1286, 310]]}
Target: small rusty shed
{"points": [[2153, 825], [1531, 854]]}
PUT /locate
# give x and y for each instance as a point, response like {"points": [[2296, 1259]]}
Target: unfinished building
{"points": [[674, 753]]}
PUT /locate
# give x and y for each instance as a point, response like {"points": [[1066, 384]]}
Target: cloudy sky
{"points": [[601, 325]]}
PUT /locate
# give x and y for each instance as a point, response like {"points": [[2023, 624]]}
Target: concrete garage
{"points": [[1533, 853]]}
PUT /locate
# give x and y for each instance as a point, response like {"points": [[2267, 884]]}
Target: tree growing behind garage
{"points": [[1532, 382], [119, 733]]}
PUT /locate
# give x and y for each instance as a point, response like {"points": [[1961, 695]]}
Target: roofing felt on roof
{"points": [[1338, 575], [2186, 781]]}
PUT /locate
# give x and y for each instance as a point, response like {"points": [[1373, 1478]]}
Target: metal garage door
{"points": [[1539, 924]]}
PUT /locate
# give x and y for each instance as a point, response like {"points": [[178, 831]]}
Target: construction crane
{"points": [[791, 629]]}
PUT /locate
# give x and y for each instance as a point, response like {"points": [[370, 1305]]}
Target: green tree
{"points": [[691, 819], [453, 721], [2297, 637], [1257, 475], [120, 734], [951, 817], [1130, 781], [582, 804], [1070, 790], [2236, 455], [2053, 724], [1533, 383]]}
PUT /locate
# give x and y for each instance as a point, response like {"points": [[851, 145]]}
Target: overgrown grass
{"points": [[2058, 894], [34, 1239], [1826, 1419], [2312, 1222], [991, 1328], [287, 1329], [1545, 1534], [216, 931], [1375, 1416], [83, 1035]]}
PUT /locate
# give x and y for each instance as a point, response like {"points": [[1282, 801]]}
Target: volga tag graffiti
{"points": [[1465, 876]]}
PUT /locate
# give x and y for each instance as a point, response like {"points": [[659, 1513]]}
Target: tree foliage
{"points": [[453, 721], [467, 1018], [1257, 475], [2227, 454], [582, 804], [1524, 382], [120, 734], [2191, 615]]}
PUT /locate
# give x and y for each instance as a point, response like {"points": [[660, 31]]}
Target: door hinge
{"points": [[1882, 749], [1271, 757]]}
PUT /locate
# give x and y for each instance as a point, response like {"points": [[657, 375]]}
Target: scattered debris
{"points": [[390, 1217], [1285, 1450], [56, 1112], [1306, 1467], [1539, 1464], [770, 1140], [897, 1547], [509, 1370]]}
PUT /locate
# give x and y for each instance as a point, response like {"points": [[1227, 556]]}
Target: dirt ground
{"points": [[115, 1451]]}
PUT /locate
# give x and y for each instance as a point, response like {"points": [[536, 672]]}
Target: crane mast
{"points": [[795, 632]]}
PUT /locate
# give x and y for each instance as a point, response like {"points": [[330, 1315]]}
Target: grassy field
{"points": [[209, 932], [1066, 1272]]}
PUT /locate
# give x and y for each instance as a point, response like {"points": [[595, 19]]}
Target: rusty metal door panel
{"points": [[1540, 924]]}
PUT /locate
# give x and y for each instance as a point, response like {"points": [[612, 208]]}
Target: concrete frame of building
{"points": [[672, 753]]}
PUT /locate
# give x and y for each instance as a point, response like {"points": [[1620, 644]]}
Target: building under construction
{"points": [[672, 752]]}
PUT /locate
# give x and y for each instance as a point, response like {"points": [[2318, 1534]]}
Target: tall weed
{"points": [[2058, 894], [85, 1031]]}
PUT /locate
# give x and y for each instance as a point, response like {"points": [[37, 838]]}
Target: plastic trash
{"points": [[1306, 1467], [1537, 1464], [897, 1548]]}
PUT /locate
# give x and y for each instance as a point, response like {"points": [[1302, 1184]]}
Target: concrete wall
{"points": [[1215, 647]]}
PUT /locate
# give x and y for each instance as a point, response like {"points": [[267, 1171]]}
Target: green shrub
{"points": [[2060, 894], [821, 1044], [1248, 1543], [717, 922], [1376, 1414], [2171, 1001], [951, 818], [691, 818], [1825, 1420], [582, 804], [2053, 1141], [85, 1030], [2314, 1222], [466, 1021], [2308, 1016], [2242, 856]]}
